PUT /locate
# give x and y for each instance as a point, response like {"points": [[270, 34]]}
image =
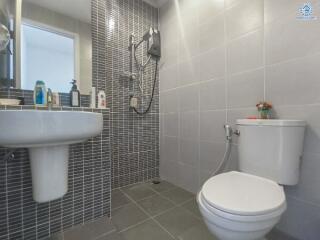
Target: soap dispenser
{"points": [[74, 95]]}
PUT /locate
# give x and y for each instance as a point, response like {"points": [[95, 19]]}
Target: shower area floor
{"points": [[149, 211]]}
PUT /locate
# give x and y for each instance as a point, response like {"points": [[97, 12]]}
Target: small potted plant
{"points": [[264, 109]]}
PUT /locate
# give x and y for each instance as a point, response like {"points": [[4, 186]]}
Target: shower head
{"points": [[152, 37]]}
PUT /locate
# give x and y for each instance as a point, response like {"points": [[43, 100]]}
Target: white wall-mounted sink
{"points": [[47, 135]]}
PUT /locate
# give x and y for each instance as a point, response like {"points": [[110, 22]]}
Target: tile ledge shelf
{"points": [[54, 108]]}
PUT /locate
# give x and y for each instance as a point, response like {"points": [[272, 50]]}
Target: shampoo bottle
{"points": [[74, 95], [40, 94]]}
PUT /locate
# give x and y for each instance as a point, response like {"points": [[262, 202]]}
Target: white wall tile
{"points": [[211, 154], [188, 177], [244, 17], [232, 3], [188, 46], [211, 65], [170, 149], [294, 82], [171, 33], [171, 124], [189, 125], [260, 35], [188, 72], [211, 33], [168, 171], [213, 95], [275, 11], [245, 53], [208, 9], [187, 12], [167, 13], [246, 89], [204, 175], [189, 98], [189, 151], [169, 101], [211, 126], [169, 78], [169, 158], [170, 54], [291, 39]]}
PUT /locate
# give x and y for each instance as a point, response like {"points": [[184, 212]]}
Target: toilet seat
{"points": [[239, 194], [239, 218]]}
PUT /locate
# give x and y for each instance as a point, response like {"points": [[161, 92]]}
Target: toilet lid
{"points": [[243, 194]]}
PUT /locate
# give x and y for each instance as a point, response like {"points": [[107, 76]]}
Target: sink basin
{"points": [[31, 128], [47, 135]]}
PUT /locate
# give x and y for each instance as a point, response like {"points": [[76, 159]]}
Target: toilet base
{"points": [[246, 228], [226, 234]]}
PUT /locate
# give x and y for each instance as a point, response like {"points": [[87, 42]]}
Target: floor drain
{"points": [[156, 182]]}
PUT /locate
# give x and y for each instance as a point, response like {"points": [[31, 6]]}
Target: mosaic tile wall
{"points": [[135, 139], [131, 141], [88, 196]]}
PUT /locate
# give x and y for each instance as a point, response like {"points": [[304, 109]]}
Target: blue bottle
{"points": [[40, 94]]}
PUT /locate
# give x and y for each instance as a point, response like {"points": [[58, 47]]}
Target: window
{"points": [[47, 55]]}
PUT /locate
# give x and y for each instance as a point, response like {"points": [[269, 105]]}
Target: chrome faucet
{"points": [[49, 99]]}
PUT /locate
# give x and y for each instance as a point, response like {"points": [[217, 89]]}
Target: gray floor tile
{"points": [[162, 186], [91, 230], [155, 205], [177, 221], [58, 236], [146, 231], [277, 235], [139, 191], [178, 195], [192, 206], [198, 232], [118, 199], [127, 216], [112, 236]]}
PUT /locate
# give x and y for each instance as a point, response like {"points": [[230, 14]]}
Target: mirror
{"points": [[55, 44], [5, 46], [4, 37]]}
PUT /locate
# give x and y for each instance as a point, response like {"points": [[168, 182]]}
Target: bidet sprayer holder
{"points": [[229, 132]]}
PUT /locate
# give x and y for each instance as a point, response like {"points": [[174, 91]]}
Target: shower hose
{"points": [[141, 68]]}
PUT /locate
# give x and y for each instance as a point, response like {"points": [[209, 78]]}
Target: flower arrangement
{"points": [[264, 109]]}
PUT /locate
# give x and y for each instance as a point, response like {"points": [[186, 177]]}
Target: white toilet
{"points": [[246, 205]]}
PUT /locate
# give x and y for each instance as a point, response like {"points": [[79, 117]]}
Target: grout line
{"points": [[150, 217], [264, 51]]}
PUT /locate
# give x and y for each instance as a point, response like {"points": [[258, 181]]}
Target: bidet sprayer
{"points": [[229, 132]]}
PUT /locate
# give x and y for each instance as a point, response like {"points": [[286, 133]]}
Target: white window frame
{"points": [[59, 31]]}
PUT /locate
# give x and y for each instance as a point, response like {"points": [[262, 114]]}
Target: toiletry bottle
{"points": [[56, 99], [40, 94], [93, 97], [102, 102], [74, 95]]}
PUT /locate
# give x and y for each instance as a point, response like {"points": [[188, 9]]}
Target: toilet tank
{"points": [[271, 148]]}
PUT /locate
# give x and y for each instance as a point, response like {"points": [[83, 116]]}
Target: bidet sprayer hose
{"points": [[229, 132]]}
